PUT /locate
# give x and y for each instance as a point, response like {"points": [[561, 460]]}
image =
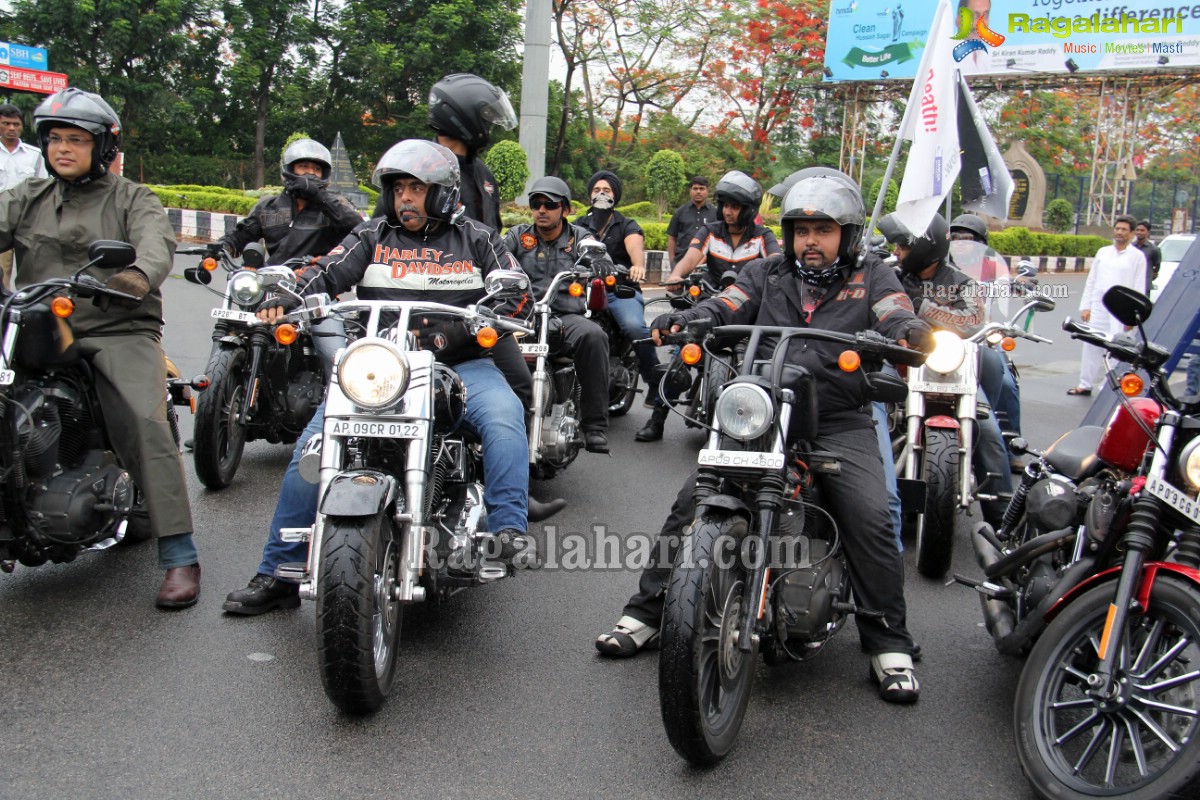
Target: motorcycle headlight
{"points": [[373, 374], [744, 411], [1189, 465], [948, 352], [244, 288]]}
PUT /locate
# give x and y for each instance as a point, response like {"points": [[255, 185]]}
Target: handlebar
{"points": [[867, 342], [1140, 354]]}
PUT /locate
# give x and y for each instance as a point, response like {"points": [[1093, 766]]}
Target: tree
{"points": [[665, 178], [508, 163], [1059, 215]]}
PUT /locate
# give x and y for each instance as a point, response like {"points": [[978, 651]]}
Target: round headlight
{"points": [[744, 411], [948, 352], [245, 289], [1189, 465], [372, 374]]}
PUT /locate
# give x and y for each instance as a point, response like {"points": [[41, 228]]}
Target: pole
{"points": [[535, 87]]}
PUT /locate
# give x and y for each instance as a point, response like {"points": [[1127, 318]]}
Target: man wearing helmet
{"points": [[819, 283], [544, 248], [51, 222], [418, 250]]}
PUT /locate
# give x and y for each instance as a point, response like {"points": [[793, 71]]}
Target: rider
{"points": [[946, 298], [543, 248], [417, 251], [817, 282], [51, 222]]}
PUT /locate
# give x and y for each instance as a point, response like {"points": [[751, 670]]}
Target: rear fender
{"points": [[361, 493], [1150, 573]]}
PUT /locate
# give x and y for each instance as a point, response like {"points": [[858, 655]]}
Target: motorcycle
{"points": [[401, 517], [622, 358], [762, 565], [259, 387], [64, 491], [936, 440], [1108, 703]]}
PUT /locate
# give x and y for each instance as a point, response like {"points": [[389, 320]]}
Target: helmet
{"points": [[306, 150], [969, 224], [827, 195], [80, 109], [425, 161], [932, 245], [465, 107], [781, 189], [554, 188], [739, 188]]}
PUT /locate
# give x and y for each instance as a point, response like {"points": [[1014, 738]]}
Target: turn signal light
{"points": [[209, 263], [1008, 344], [1132, 384], [691, 354], [285, 334], [610, 280], [487, 337], [62, 307], [575, 290], [694, 291], [849, 361]]}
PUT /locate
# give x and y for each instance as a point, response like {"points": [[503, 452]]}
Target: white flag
{"points": [[933, 159]]}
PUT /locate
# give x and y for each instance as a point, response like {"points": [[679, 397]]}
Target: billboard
{"points": [[32, 80], [23, 56], [874, 39]]}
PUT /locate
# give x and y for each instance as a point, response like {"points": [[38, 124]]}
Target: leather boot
{"points": [[539, 511], [652, 431]]}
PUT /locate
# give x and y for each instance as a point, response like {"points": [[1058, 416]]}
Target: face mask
{"points": [[602, 201]]}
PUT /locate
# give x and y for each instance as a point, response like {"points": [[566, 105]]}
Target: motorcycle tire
{"points": [[703, 679], [1142, 746], [620, 401], [358, 622], [218, 438], [935, 528]]}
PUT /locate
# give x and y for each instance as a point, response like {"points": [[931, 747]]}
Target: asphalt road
{"points": [[501, 692]]}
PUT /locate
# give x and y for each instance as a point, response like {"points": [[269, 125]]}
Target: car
{"points": [[1173, 248]]}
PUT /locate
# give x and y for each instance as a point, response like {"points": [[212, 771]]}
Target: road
{"points": [[501, 692]]}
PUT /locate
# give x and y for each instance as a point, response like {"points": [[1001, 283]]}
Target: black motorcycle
{"points": [[622, 358], [264, 381]]}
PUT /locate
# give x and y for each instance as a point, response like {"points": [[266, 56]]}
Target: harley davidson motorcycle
{"points": [[259, 386], [1108, 704], [401, 517], [762, 566], [63, 490]]}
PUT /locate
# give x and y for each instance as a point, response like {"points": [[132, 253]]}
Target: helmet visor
{"points": [[824, 197], [426, 161], [499, 112]]}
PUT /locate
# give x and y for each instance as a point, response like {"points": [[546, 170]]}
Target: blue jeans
{"points": [[493, 413], [178, 550], [1193, 376], [879, 412], [630, 314], [1000, 387]]}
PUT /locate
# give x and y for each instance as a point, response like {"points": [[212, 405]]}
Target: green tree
{"points": [[1059, 215], [889, 200], [666, 178], [508, 163]]}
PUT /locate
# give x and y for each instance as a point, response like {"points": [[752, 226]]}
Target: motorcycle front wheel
{"points": [[1144, 743], [935, 528], [703, 678], [218, 438], [358, 617]]}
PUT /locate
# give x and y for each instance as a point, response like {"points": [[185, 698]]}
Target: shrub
{"points": [[666, 179], [889, 200], [1059, 216], [507, 162], [639, 211], [656, 235]]}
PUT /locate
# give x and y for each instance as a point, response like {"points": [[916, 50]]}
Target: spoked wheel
{"points": [[1140, 744], [358, 617], [703, 678], [218, 438], [935, 528]]}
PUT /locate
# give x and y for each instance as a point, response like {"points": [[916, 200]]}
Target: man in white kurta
{"points": [[1117, 264]]}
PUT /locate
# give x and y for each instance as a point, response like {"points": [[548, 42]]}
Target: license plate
{"points": [[1188, 506], [378, 429], [237, 316], [738, 458], [941, 388], [535, 349], [7, 376]]}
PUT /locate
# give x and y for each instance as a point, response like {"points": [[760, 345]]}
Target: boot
{"points": [[652, 431]]}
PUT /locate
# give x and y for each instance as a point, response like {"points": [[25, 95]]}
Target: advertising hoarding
{"points": [[32, 80], [13, 54]]}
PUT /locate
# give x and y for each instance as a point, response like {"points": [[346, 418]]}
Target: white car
{"points": [[1173, 247]]}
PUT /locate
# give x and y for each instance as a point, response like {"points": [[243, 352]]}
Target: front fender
{"points": [[942, 421], [725, 502], [1150, 573], [361, 493]]}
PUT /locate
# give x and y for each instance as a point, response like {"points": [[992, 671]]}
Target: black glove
{"points": [[128, 281], [307, 186], [284, 304], [603, 266], [663, 322], [920, 338], [445, 338], [214, 250]]}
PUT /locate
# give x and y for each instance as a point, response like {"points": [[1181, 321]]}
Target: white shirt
{"points": [[1112, 268], [15, 167]]}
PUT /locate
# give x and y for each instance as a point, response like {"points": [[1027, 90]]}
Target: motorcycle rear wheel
{"points": [[703, 679], [935, 528], [218, 438], [1144, 745], [358, 619], [619, 402]]}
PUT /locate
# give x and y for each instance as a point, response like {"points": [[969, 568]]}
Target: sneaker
{"points": [[627, 638], [893, 672], [263, 594]]}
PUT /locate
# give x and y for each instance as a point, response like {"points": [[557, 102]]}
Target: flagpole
{"points": [[950, 194]]}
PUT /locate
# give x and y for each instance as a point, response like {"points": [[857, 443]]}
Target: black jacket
{"points": [[541, 261], [289, 233]]}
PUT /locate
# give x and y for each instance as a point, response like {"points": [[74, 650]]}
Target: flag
{"points": [[933, 159], [986, 185]]}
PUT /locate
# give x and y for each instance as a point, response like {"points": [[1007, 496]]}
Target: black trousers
{"points": [[588, 344], [857, 501]]}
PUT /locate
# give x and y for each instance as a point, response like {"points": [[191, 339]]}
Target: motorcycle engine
{"points": [[84, 503], [813, 578], [1052, 505], [449, 398], [305, 390]]}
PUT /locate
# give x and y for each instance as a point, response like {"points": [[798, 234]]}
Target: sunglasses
{"points": [[538, 205]]}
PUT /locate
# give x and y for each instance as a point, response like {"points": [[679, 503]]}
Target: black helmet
{"points": [[306, 150], [554, 188], [740, 189], [428, 162], [828, 195], [80, 109], [932, 245], [465, 107], [969, 224]]}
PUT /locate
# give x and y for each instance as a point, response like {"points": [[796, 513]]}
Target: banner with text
{"points": [[32, 80]]}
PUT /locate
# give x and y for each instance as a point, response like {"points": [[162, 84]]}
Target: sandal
{"points": [[627, 638], [1080, 391], [894, 674]]}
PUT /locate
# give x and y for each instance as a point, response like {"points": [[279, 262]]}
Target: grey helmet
{"points": [[465, 107], [554, 188], [87, 111], [975, 228], [781, 189], [739, 188], [832, 196], [428, 162], [306, 150]]}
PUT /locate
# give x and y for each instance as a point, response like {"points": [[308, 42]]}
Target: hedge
{"points": [[205, 201], [1024, 242]]}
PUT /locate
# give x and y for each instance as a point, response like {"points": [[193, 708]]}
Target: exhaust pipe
{"points": [[997, 616]]}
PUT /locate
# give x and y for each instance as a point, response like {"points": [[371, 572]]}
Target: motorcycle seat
{"points": [[1074, 454]]}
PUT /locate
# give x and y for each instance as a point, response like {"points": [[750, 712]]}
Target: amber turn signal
{"points": [[62, 307], [691, 354], [694, 291], [487, 337], [575, 290], [209, 263], [849, 361], [285, 334], [1132, 384], [1008, 343], [610, 280]]}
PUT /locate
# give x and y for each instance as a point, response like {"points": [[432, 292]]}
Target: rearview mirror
{"points": [[1045, 304], [1129, 306], [197, 275], [502, 281], [883, 387], [254, 255], [110, 254]]}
